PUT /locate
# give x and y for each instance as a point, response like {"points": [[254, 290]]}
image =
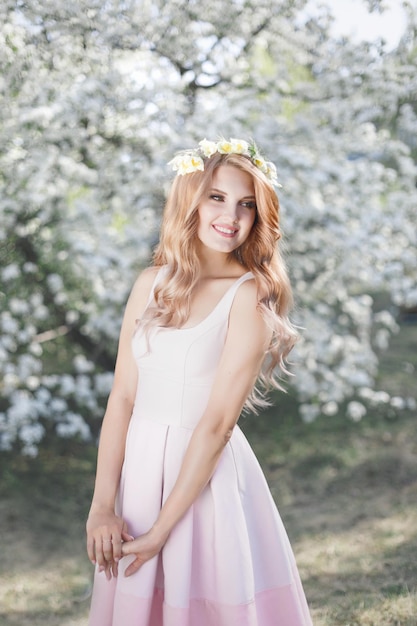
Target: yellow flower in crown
{"points": [[271, 173], [225, 147], [240, 146], [260, 162], [190, 161], [187, 163], [234, 146], [208, 148]]}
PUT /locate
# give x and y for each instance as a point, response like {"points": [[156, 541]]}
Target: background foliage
{"points": [[95, 99]]}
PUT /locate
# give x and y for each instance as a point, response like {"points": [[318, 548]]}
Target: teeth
{"points": [[226, 231]]}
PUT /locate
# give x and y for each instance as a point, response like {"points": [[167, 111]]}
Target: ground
{"points": [[347, 493]]}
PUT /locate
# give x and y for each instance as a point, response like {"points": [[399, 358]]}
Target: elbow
{"points": [[216, 427], [120, 402], [226, 435], [220, 435]]}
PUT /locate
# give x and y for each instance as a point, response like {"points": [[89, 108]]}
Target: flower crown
{"points": [[189, 161]]}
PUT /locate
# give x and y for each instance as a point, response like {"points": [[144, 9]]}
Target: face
{"points": [[227, 214]]}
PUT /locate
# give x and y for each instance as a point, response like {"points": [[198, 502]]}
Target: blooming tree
{"points": [[96, 99]]}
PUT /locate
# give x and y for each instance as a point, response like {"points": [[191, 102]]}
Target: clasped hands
{"points": [[108, 541]]}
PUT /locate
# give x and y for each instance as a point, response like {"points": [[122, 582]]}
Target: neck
{"points": [[216, 263]]}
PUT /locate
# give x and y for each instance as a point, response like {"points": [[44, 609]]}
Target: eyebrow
{"points": [[223, 193]]}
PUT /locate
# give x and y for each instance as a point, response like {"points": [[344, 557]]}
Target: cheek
{"points": [[251, 218], [251, 222], [202, 216]]}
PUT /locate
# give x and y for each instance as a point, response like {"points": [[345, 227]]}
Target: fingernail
{"points": [[101, 568]]}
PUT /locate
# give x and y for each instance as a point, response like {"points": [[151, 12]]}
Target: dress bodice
{"points": [[177, 366]]}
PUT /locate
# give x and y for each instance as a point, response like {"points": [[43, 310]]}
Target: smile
{"points": [[225, 231]]}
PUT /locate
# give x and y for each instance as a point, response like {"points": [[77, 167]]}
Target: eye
{"points": [[248, 204], [216, 197]]}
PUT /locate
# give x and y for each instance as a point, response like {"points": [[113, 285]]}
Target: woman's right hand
{"points": [[105, 531]]}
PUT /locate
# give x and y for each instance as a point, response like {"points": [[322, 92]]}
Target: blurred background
{"points": [[96, 98]]}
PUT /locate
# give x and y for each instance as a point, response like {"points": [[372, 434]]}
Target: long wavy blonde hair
{"points": [[259, 254]]}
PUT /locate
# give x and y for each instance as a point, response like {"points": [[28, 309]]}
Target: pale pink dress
{"points": [[228, 562]]}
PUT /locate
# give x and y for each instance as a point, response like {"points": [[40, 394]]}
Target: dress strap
{"points": [[231, 292], [225, 304], [242, 279]]}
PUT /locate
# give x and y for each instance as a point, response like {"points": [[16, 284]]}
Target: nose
{"points": [[230, 209]]}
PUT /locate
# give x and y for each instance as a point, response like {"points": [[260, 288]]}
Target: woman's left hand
{"points": [[144, 548]]}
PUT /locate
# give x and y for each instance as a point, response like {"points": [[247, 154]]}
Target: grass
{"points": [[347, 493]]}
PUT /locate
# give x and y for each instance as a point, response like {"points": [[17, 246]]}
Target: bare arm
{"points": [[104, 528], [247, 340]]}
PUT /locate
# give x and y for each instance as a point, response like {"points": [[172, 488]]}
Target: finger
{"points": [[126, 536], [108, 571], [108, 549], [129, 547], [117, 547], [134, 567], [115, 568], [90, 550], [100, 558]]}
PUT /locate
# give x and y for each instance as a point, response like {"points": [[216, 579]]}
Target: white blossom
{"points": [[309, 412], [55, 283], [73, 425], [355, 411], [103, 383], [87, 127], [82, 365], [10, 272]]}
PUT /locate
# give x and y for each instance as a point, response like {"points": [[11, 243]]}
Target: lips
{"points": [[227, 231]]}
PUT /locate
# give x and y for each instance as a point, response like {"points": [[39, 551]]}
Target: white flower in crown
{"points": [[190, 161], [208, 148], [271, 173], [260, 162], [224, 147], [234, 146], [187, 163], [239, 146]]}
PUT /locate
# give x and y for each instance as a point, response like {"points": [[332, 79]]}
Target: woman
{"points": [[182, 527]]}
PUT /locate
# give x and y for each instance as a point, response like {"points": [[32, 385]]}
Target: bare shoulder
{"points": [[147, 277], [142, 287], [246, 298], [246, 319]]}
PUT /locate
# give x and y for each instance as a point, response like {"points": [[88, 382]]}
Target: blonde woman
{"points": [[182, 528]]}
